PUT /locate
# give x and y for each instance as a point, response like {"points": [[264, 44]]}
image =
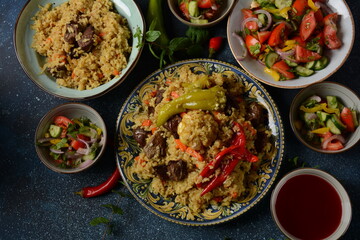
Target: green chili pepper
{"points": [[205, 99], [155, 18]]}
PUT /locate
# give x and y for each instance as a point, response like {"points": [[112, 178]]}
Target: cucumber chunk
{"points": [[199, 21], [337, 122], [193, 9], [332, 101], [290, 63], [90, 156], [55, 131], [323, 116], [280, 4], [321, 63], [333, 129], [310, 65], [271, 58], [303, 71], [355, 119]]}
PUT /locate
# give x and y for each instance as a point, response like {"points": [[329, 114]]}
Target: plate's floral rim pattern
{"points": [[165, 208]]}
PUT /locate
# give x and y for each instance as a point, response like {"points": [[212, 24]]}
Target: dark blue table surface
{"points": [[37, 203]]}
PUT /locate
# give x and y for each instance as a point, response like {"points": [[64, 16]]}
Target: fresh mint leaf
{"points": [[115, 209], [99, 220], [197, 35], [138, 35], [179, 43]]}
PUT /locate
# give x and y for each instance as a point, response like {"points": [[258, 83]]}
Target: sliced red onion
{"points": [[214, 7], [327, 10], [83, 151], [311, 116], [269, 18], [261, 62], [251, 19], [102, 141], [326, 142], [316, 98], [56, 151], [42, 140], [242, 45], [85, 164], [283, 54], [73, 155]]}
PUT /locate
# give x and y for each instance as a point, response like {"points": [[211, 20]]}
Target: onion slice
{"points": [[326, 142], [283, 54], [251, 19], [242, 46], [269, 18], [42, 140], [316, 98], [84, 151], [56, 151], [327, 10]]}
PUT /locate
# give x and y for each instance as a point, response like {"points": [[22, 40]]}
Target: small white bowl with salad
{"points": [[291, 43], [325, 117], [70, 138], [200, 13]]}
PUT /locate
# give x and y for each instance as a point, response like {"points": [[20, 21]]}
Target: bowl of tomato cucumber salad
{"points": [[325, 117], [70, 138], [291, 43]]}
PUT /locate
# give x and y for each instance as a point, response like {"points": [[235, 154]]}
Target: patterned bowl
{"points": [[128, 149]]}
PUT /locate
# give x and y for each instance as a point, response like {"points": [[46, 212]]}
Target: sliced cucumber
{"points": [[355, 119], [262, 18], [303, 71], [280, 4], [90, 156], [321, 63], [271, 58], [332, 101], [323, 116], [193, 9], [199, 21], [333, 129], [310, 65], [337, 122], [55, 131], [290, 63]]}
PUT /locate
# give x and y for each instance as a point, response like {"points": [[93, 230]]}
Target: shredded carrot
{"points": [[153, 93], [73, 75], [116, 72], [167, 99], [146, 122], [182, 115], [174, 94], [147, 102], [180, 145], [194, 154], [83, 10], [168, 82], [137, 158], [153, 130], [234, 195], [102, 34], [48, 39], [100, 75], [216, 116]]}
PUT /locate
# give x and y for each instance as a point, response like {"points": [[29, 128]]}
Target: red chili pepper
{"points": [[220, 179], [214, 45], [105, 187]]}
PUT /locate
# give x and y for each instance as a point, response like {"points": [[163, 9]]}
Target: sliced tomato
{"points": [[277, 35], [263, 36], [335, 145], [204, 3], [284, 69], [299, 7], [299, 41], [249, 14], [184, 10], [76, 144], [83, 137], [308, 25], [303, 55], [62, 121], [253, 45], [330, 31], [347, 118], [319, 16]]}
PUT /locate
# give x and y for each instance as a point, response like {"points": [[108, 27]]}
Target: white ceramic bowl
{"points": [[347, 96], [69, 110], [224, 11], [346, 211], [346, 28], [31, 62]]}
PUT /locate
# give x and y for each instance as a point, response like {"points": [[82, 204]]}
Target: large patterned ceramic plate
{"points": [[127, 149]]}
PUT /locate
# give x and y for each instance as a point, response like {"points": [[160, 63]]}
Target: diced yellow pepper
{"points": [[55, 141], [290, 42], [99, 131], [321, 130], [322, 106], [288, 48], [273, 73], [284, 12], [78, 122], [312, 5], [272, 10]]}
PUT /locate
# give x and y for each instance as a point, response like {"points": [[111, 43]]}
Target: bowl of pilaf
{"points": [[79, 49]]}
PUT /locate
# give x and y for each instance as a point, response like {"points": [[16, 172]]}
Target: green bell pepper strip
{"points": [[205, 99]]}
